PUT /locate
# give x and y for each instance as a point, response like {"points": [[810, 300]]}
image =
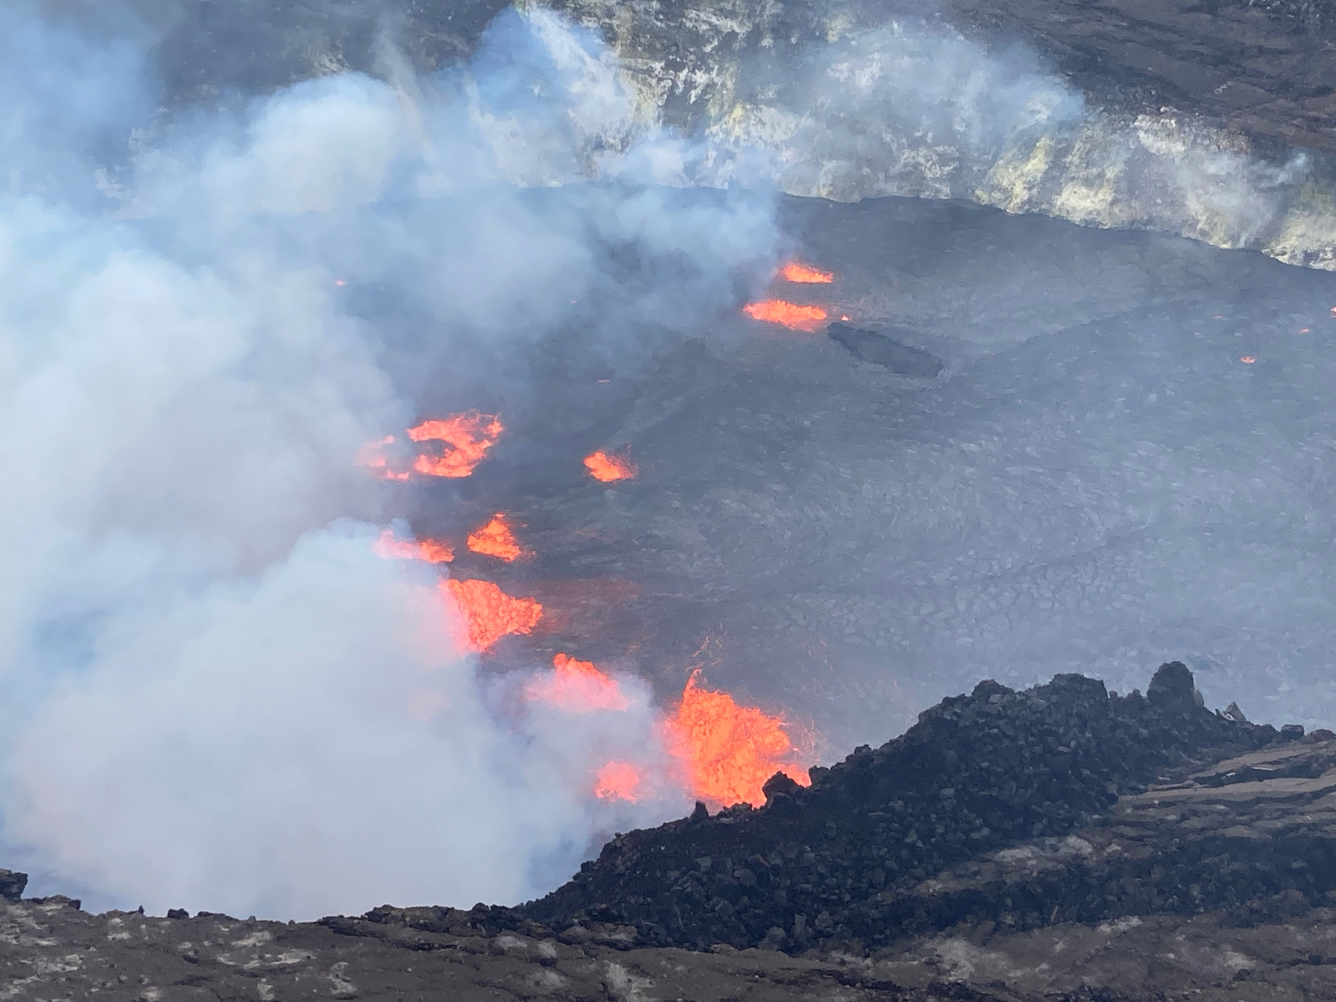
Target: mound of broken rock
{"points": [[850, 860], [1062, 842]]}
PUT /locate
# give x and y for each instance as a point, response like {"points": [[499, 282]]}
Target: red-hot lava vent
{"points": [[778, 311], [433, 551], [577, 687], [609, 466], [466, 437], [496, 539], [489, 613], [805, 274], [728, 750]]}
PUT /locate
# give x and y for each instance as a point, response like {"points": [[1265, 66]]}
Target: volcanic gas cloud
{"points": [[721, 751], [433, 551], [488, 613]]}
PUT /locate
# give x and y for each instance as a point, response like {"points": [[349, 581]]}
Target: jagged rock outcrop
{"points": [[1061, 842], [838, 861]]}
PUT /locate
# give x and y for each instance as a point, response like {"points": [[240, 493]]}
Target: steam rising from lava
{"points": [[216, 694]]}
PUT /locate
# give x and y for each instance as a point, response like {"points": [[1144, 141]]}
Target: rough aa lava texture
{"points": [[835, 862]]}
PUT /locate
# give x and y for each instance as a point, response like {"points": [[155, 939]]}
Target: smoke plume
{"points": [[216, 695]]}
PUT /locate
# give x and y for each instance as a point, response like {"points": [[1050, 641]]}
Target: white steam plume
{"points": [[215, 695]]}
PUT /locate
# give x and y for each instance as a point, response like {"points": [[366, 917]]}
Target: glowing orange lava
{"points": [[490, 613], [577, 687], [617, 781], [431, 550], [805, 274], [608, 466], [495, 539], [467, 437], [777, 311], [729, 750]]}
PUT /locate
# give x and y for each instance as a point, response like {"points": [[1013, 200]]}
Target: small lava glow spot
{"points": [[496, 539], [617, 781], [489, 613], [777, 311], [805, 274], [609, 466]]}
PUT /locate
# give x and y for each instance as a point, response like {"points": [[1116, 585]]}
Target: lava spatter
{"points": [[805, 274], [488, 613], [793, 315], [609, 466], [729, 750], [496, 539], [467, 437]]}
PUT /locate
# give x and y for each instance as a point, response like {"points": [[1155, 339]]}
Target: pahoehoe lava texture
{"points": [[834, 862]]}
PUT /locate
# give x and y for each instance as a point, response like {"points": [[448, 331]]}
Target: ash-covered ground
{"points": [[1126, 456]]}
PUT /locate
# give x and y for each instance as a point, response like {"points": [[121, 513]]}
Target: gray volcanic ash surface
{"points": [[1126, 456]]}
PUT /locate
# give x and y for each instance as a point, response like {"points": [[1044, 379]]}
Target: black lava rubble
{"points": [[838, 862]]}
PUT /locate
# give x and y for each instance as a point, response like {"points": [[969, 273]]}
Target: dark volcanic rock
{"points": [[1252, 837], [12, 884], [835, 862], [882, 350]]}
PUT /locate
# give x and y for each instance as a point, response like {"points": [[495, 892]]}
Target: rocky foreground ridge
{"points": [[1061, 842]]}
